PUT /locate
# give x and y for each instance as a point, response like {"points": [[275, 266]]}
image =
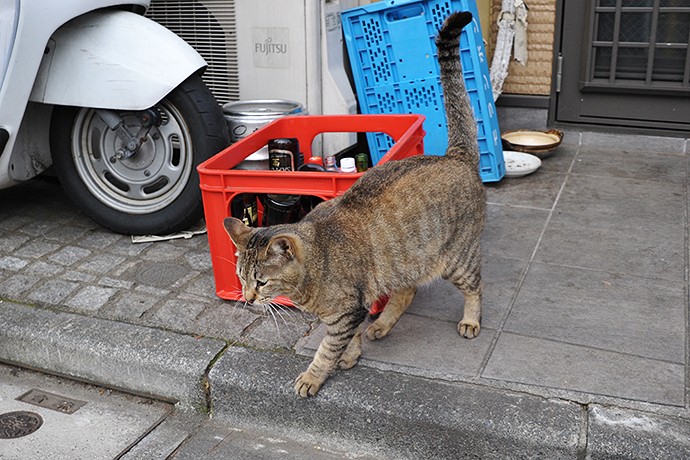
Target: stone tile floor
{"points": [[585, 268]]}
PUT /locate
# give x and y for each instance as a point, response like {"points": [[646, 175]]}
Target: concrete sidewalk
{"points": [[583, 352]]}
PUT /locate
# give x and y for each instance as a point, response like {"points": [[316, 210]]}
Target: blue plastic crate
{"points": [[392, 51]]}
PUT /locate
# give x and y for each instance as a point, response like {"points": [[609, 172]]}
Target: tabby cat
{"points": [[402, 225]]}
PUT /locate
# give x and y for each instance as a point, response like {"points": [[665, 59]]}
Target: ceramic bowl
{"points": [[538, 143], [519, 163]]}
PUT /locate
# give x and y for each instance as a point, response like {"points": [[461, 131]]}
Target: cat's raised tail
{"points": [[462, 127]]}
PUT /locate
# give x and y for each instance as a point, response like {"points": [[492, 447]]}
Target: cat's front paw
{"points": [[307, 384], [468, 329]]}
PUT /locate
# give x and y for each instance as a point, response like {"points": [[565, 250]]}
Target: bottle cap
{"points": [[315, 160], [347, 164], [362, 161]]}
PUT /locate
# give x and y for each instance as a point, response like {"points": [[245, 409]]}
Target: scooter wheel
{"points": [[156, 189]]}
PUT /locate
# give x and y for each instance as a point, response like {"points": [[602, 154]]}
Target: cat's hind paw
{"points": [[377, 331], [468, 329], [350, 357], [307, 385], [347, 362]]}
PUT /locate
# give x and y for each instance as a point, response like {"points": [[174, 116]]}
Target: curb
{"points": [[137, 359], [390, 415]]}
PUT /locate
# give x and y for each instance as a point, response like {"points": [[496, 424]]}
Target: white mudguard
{"points": [[115, 60]]}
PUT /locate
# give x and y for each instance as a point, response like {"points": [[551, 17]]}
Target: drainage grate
{"points": [[17, 424], [51, 401]]}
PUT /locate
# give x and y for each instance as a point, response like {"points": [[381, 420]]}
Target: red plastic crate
{"points": [[220, 183]]}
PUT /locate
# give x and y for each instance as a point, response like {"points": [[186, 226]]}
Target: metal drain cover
{"points": [[17, 424], [51, 401]]}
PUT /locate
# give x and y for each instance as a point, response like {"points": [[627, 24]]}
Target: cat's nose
{"points": [[250, 296]]}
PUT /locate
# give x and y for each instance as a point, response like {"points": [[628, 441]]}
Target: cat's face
{"points": [[267, 267]]}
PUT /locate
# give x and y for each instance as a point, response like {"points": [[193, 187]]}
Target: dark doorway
{"points": [[624, 63]]}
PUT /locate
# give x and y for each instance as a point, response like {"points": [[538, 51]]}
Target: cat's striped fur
{"points": [[403, 224]]}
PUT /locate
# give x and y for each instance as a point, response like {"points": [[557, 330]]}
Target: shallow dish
{"points": [[538, 143], [519, 163]]}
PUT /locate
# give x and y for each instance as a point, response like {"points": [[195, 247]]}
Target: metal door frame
{"points": [[583, 32]]}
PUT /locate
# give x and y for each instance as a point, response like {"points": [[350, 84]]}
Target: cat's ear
{"points": [[239, 233], [285, 246]]}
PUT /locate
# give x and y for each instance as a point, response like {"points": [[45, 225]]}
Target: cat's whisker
{"points": [[282, 308], [274, 308], [267, 307]]}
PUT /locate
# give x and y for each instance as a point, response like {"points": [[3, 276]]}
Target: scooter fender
{"points": [[114, 60]]}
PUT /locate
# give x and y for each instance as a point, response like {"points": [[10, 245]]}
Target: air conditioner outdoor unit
{"points": [[268, 49]]}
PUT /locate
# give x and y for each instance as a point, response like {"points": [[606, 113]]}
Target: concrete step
{"points": [[390, 415]]}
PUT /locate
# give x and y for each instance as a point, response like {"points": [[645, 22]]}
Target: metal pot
{"points": [[245, 117]]}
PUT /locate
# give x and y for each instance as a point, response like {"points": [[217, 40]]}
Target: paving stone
{"points": [[216, 441], [152, 291], [125, 269], [111, 282], [43, 268], [102, 263], [166, 438], [280, 329], [65, 234], [199, 261], [224, 320], [539, 192], [10, 242], [99, 239], [615, 245], [69, 255], [53, 292], [39, 225], [14, 222], [635, 165], [36, 249], [16, 285], [132, 305], [124, 246], [177, 285], [202, 285], [91, 298], [541, 362], [178, 314], [631, 200], [512, 231], [160, 274], [597, 141], [164, 251], [73, 275], [602, 310], [539, 189], [618, 225], [12, 263]]}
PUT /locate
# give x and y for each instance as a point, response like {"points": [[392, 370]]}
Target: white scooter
{"points": [[115, 102]]}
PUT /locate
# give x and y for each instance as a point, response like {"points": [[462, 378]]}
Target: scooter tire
{"points": [[202, 121]]}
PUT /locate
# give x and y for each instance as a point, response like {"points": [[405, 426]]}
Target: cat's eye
{"points": [[260, 284]]}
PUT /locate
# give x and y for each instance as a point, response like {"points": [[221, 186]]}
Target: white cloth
{"points": [[512, 34]]}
